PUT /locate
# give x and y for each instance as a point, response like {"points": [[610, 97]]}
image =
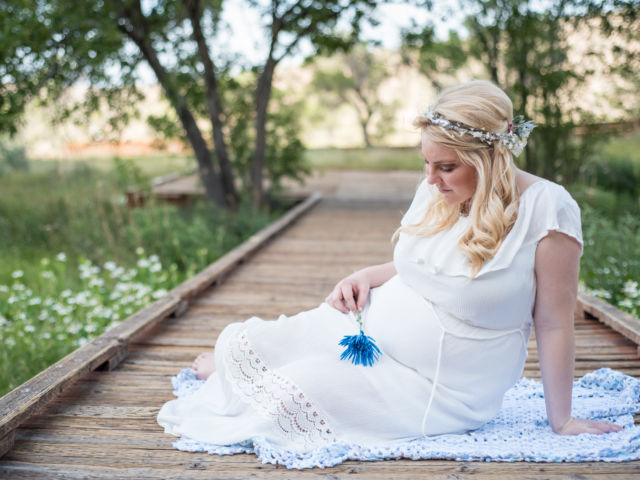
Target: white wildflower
{"points": [[117, 272], [74, 328], [96, 282], [143, 263], [4, 289], [110, 266], [631, 289], [45, 335], [159, 293], [61, 257], [29, 328], [626, 303], [90, 328], [17, 274], [66, 293], [34, 301], [46, 274], [10, 342], [18, 287], [140, 251], [155, 267]]}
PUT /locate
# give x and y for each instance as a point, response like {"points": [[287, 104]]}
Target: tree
{"points": [[356, 81], [438, 60], [50, 45], [524, 48]]}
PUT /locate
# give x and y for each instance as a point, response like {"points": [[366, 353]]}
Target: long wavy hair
{"points": [[493, 207]]}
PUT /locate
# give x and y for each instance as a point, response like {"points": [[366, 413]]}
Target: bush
{"points": [[610, 266], [615, 173], [12, 158]]}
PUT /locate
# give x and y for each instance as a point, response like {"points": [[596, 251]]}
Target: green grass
{"points": [[75, 260], [366, 159], [627, 146]]}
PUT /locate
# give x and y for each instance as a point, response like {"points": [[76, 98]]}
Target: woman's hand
{"points": [[575, 426], [351, 292]]}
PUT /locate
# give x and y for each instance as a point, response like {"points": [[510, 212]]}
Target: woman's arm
{"points": [[557, 265], [351, 292]]}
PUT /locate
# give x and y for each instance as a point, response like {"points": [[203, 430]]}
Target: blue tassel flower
{"points": [[361, 349]]}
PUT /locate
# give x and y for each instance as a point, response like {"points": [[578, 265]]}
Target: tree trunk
{"points": [[262, 96], [365, 133], [136, 30], [214, 105]]}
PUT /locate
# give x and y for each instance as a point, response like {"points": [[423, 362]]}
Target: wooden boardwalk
{"points": [[104, 425]]}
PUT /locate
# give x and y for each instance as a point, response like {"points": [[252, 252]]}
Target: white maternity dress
{"points": [[451, 347]]}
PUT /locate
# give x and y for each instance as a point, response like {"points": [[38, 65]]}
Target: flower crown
{"points": [[515, 138]]}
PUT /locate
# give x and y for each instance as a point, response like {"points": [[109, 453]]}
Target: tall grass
{"points": [[75, 260]]}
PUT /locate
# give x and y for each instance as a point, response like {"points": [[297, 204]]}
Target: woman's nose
{"points": [[431, 176]]}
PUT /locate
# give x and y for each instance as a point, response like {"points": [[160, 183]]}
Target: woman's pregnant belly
{"points": [[477, 361]]}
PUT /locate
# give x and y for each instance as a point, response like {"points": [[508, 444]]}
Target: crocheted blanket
{"points": [[519, 432]]}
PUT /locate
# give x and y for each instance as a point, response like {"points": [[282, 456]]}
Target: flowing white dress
{"points": [[451, 347]]}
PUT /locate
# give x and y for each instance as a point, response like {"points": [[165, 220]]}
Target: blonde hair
{"points": [[494, 205]]}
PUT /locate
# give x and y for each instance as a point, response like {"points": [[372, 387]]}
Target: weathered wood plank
{"points": [[620, 321], [17, 405]]}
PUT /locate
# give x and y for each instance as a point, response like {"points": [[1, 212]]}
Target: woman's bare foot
{"points": [[204, 365]]}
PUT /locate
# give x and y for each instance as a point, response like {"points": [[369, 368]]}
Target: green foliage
{"points": [[128, 174], [610, 266], [524, 47], [12, 158], [618, 174], [74, 260], [438, 60]]}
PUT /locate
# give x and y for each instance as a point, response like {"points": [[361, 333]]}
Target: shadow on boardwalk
{"points": [[104, 426]]}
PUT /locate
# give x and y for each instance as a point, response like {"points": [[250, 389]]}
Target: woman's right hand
{"points": [[351, 292]]}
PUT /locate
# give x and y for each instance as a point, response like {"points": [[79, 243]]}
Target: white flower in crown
{"points": [[515, 138]]}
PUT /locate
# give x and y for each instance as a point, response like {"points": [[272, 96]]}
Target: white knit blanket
{"points": [[520, 431]]}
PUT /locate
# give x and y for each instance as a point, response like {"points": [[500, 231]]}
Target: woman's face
{"points": [[455, 180]]}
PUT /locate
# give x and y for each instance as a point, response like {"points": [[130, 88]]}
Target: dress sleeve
{"points": [[419, 204], [559, 212]]}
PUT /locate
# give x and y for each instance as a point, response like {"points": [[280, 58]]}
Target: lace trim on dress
{"points": [[274, 395]]}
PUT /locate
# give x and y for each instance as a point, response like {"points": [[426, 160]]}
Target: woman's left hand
{"points": [[575, 426]]}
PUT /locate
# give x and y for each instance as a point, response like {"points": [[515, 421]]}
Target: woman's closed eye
{"points": [[443, 168]]}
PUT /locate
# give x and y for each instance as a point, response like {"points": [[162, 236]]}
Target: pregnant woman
{"points": [[485, 252]]}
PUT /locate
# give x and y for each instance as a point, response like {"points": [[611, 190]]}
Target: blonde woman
{"points": [[484, 253]]}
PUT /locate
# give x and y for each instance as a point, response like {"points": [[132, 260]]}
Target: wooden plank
{"points": [[620, 321], [25, 400]]}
